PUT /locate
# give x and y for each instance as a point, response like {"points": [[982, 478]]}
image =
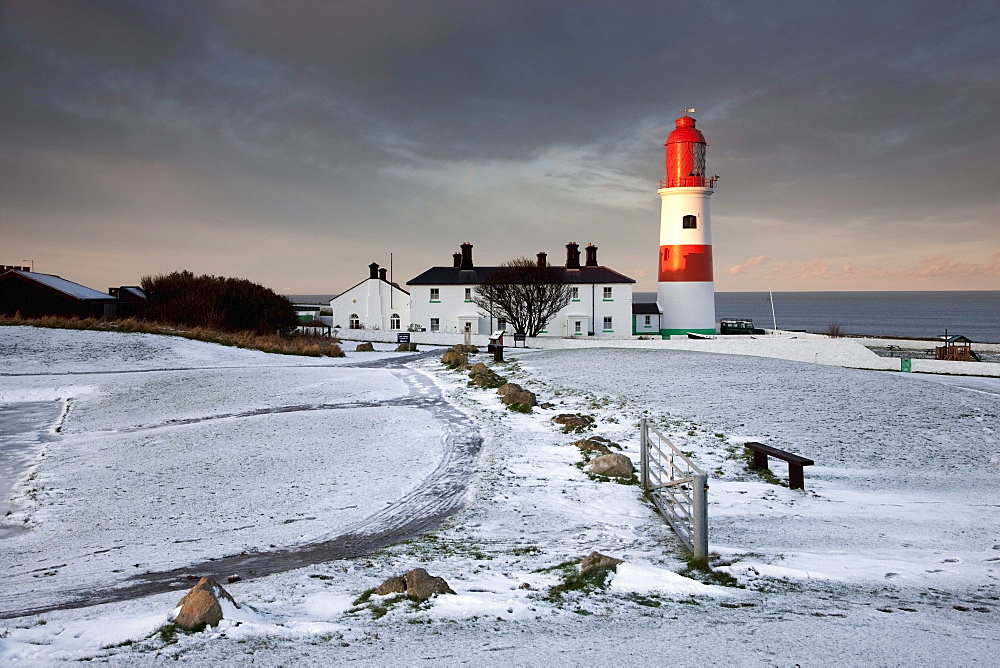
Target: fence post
{"points": [[699, 517], [643, 454]]}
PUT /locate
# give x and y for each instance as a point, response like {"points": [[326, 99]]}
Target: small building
{"points": [[442, 297], [374, 303], [131, 300], [646, 318], [35, 295]]}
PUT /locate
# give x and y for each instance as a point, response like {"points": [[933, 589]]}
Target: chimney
{"points": [[542, 262], [466, 256], [381, 274], [457, 257], [572, 255], [591, 255], [373, 270]]}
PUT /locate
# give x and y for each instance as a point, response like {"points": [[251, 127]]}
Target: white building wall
{"points": [[453, 311], [373, 301]]}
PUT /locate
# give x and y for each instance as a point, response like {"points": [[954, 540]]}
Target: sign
{"points": [[403, 337], [519, 336]]}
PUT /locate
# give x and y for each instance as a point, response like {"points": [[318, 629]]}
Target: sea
{"points": [[974, 314]]}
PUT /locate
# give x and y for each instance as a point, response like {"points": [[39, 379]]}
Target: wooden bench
{"points": [[795, 462]]}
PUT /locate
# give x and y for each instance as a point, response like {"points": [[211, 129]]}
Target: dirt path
{"points": [[437, 497]]}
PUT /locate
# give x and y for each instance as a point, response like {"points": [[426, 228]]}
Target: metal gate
{"points": [[678, 488]]}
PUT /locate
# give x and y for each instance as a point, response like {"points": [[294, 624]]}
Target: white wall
{"points": [[374, 301], [452, 311]]}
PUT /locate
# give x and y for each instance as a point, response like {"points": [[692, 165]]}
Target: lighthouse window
{"points": [[690, 222]]}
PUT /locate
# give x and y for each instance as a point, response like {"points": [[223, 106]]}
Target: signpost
{"points": [[403, 337]]}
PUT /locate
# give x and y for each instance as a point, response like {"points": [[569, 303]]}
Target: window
{"points": [[649, 320], [575, 293], [394, 321], [577, 327], [435, 324], [607, 323], [435, 294], [607, 294], [502, 324], [468, 294], [468, 326], [355, 321], [690, 223]]}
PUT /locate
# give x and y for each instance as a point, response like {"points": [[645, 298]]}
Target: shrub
{"points": [[215, 302]]}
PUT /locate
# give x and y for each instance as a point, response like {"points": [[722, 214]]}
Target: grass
{"points": [[576, 582], [309, 346]]}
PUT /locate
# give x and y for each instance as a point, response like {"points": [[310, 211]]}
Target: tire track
{"points": [[438, 496]]}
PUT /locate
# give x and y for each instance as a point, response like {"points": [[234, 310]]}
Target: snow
{"points": [[167, 452]]}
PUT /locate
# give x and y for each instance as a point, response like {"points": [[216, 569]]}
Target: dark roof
{"points": [[395, 285], [646, 308], [61, 285], [456, 276]]}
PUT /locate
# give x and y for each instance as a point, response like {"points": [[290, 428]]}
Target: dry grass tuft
{"points": [[299, 344]]}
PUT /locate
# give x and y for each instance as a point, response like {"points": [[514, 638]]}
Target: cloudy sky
{"points": [[294, 142]]}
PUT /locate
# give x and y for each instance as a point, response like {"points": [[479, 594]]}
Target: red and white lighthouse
{"points": [[686, 291]]}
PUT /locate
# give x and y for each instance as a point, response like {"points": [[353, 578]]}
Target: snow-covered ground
{"points": [[162, 452]]}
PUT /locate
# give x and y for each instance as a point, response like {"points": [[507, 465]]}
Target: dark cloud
{"points": [[347, 124]]}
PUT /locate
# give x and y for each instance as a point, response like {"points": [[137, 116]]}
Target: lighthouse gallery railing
{"points": [[677, 487]]}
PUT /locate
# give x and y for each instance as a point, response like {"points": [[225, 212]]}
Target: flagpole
{"points": [[774, 321]]}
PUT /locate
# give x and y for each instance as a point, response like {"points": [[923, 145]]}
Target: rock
{"points": [[572, 421], [614, 465], [200, 606], [421, 585], [233, 578], [597, 560], [592, 444], [521, 398], [509, 387], [365, 347], [406, 348], [487, 380], [462, 348], [479, 368], [455, 359], [394, 585]]}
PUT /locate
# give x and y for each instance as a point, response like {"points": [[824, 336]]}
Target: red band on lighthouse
{"points": [[685, 263]]}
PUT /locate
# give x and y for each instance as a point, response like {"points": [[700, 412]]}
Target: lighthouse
{"points": [[686, 291]]}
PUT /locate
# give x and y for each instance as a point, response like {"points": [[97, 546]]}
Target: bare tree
{"points": [[525, 294]]}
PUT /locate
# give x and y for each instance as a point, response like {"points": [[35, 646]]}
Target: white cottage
{"points": [[374, 303], [441, 297]]}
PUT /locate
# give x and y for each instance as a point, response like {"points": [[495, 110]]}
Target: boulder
{"points": [[521, 398], [365, 347], [478, 368], [571, 421], [455, 359], [462, 348], [394, 585], [614, 465], [487, 379], [592, 444], [200, 606], [406, 348], [421, 585], [597, 560], [509, 387]]}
